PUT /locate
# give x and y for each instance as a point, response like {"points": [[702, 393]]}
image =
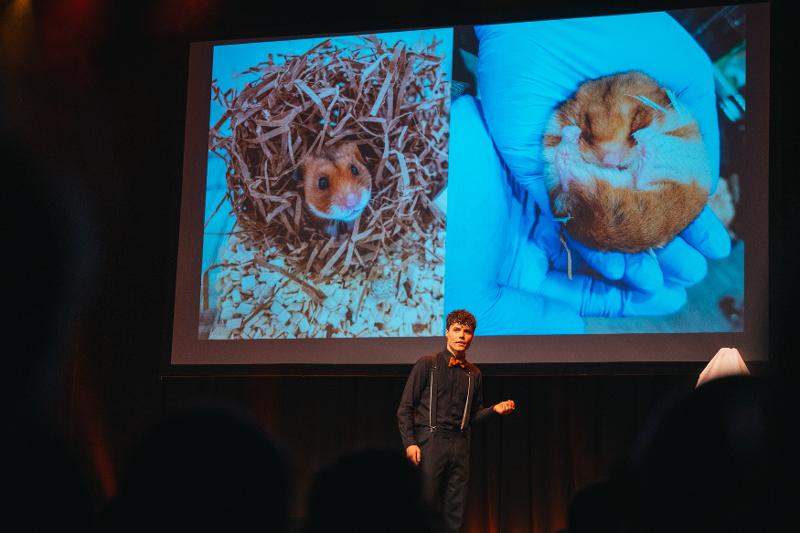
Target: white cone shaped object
{"points": [[726, 362]]}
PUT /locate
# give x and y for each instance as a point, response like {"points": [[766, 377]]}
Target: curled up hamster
{"points": [[627, 165]]}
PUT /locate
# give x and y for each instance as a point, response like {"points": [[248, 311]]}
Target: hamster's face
{"points": [[337, 184], [609, 114]]}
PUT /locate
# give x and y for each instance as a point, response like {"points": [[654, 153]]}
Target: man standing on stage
{"points": [[442, 397]]}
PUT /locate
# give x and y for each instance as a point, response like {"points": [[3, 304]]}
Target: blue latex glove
{"points": [[525, 70], [493, 266]]}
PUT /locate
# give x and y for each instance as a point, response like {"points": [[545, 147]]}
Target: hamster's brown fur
{"points": [[628, 222]]}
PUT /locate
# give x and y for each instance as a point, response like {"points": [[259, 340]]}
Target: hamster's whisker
{"points": [[648, 102]]}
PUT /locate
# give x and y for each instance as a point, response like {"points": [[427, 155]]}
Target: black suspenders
{"points": [[433, 395]]}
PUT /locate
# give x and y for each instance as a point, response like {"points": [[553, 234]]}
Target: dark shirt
{"points": [[454, 387]]}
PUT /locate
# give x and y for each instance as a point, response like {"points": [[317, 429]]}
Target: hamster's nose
{"points": [[613, 158], [351, 200]]}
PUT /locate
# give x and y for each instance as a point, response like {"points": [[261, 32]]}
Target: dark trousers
{"points": [[445, 472]]}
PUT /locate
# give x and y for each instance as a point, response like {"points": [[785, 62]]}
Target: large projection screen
{"points": [[593, 189]]}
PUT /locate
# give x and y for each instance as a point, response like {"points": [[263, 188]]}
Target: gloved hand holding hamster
{"points": [[587, 116], [527, 70]]}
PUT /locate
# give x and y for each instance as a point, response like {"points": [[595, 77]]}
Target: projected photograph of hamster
{"points": [[325, 187], [596, 162]]}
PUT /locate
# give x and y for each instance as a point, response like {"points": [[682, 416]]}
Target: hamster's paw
{"points": [[332, 228], [570, 134]]}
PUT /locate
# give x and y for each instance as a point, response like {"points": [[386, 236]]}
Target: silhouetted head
{"points": [[203, 470], [47, 483], [702, 465], [594, 509], [369, 491]]}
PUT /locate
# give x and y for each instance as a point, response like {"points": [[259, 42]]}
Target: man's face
{"points": [[459, 338]]}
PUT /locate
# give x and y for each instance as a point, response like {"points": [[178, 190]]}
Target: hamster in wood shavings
{"points": [[337, 186], [627, 168]]}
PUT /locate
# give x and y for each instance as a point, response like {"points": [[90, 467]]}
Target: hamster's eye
{"points": [[634, 129], [354, 170], [640, 119], [323, 183]]}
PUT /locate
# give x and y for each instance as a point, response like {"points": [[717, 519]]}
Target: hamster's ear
{"points": [[297, 174], [355, 150]]}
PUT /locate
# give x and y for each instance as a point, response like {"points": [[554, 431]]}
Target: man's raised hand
{"points": [[504, 408]]}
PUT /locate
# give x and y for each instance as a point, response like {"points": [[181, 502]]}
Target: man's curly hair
{"points": [[463, 317]]}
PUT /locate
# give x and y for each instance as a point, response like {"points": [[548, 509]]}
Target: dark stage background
{"points": [[94, 95]]}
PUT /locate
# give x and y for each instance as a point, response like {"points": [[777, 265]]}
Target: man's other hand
{"points": [[414, 454]]}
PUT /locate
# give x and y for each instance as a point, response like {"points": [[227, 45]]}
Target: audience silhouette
{"points": [[595, 508], [370, 491], [702, 466], [202, 470], [47, 480]]}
